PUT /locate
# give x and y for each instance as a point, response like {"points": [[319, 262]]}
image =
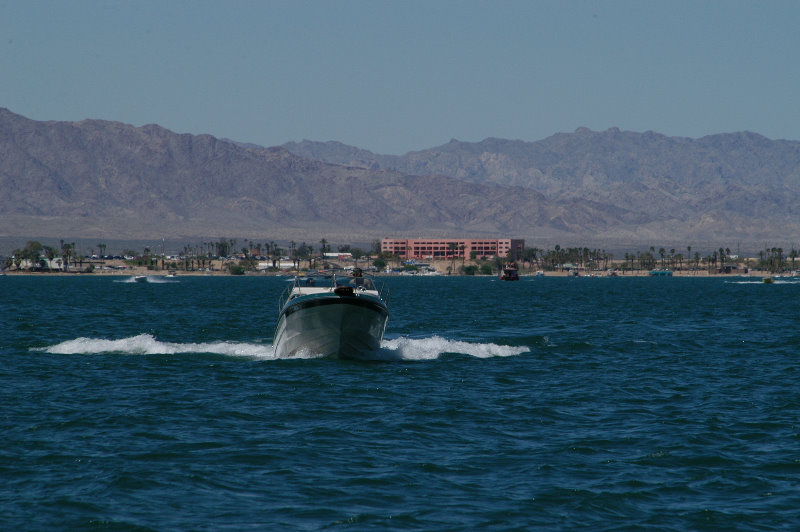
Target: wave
{"points": [[397, 349], [791, 281], [154, 279], [431, 348], [146, 344]]}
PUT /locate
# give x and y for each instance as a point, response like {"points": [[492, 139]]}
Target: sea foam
{"points": [[152, 279], [396, 349], [435, 346], [146, 344]]}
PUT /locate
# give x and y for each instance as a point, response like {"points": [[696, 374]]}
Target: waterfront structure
{"points": [[448, 248]]}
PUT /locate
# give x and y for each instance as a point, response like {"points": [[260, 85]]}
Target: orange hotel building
{"points": [[439, 248]]}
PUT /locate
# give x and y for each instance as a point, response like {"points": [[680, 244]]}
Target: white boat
{"points": [[342, 317], [140, 279]]}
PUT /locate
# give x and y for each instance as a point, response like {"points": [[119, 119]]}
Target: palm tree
{"points": [[66, 253], [276, 254], [452, 247], [356, 254], [50, 252], [323, 250], [535, 256]]}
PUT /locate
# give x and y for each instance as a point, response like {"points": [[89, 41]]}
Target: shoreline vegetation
{"points": [[222, 268], [24, 273], [219, 258]]}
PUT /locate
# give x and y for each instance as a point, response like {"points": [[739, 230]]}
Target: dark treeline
{"points": [[246, 253], [771, 259]]}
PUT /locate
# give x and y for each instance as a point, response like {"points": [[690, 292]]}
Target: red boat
{"points": [[509, 272]]}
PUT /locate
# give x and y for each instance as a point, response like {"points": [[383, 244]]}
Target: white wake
{"points": [[396, 349], [435, 346], [152, 279], [146, 344]]}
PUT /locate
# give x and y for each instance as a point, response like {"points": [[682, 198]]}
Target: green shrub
{"points": [[469, 270]]}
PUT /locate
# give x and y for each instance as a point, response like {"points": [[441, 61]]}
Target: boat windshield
{"points": [[321, 284], [332, 281], [356, 282]]}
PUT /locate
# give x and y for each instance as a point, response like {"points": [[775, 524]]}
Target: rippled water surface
{"points": [[548, 403]]}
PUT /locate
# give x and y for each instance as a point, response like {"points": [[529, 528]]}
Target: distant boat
{"points": [[140, 278], [509, 272], [331, 316], [660, 273]]}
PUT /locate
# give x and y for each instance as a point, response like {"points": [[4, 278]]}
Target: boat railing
{"points": [[285, 296]]}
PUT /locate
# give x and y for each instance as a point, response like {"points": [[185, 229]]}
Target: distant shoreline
{"points": [[162, 273], [119, 268]]}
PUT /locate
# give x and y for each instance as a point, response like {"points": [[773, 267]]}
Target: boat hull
{"points": [[331, 326], [509, 273]]}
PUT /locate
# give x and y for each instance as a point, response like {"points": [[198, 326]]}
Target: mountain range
{"points": [[102, 179]]}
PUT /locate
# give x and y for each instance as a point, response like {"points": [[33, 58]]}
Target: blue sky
{"points": [[398, 76]]}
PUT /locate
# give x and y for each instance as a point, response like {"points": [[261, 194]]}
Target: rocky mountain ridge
{"points": [[112, 180], [739, 186], [106, 179], [560, 163]]}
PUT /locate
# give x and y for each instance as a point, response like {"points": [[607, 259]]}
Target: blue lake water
{"points": [[549, 403]]}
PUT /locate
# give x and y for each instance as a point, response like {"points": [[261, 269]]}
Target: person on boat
{"points": [[358, 279]]}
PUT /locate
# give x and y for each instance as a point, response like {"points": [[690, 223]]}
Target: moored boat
{"points": [[335, 316], [510, 272]]}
